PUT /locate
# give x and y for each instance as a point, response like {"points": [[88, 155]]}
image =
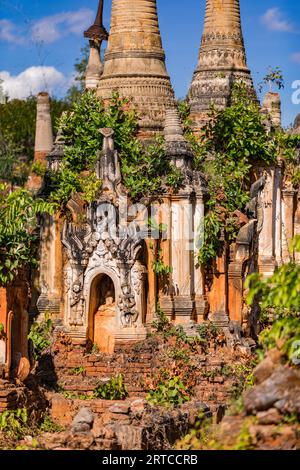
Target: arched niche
{"points": [[103, 311]]}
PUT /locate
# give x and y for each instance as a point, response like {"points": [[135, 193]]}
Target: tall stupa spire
{"points": [[222, 59], [135, 62]]}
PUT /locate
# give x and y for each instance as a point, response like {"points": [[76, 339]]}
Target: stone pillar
{"points": [[135, 63], [278, 214], [94, 68], [152, 284], [222, 60], [51, 269], [266, 248], [201, 304], [182, 257], [288, 207], [43, 138], [179, 302], [272, 107], [44, 133]]}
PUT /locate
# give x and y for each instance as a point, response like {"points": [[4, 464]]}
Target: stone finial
{"points": [[222, 60], [272, 107], [177, 148], [135, 63], [97, 31], [44, 133], [173, 128]]}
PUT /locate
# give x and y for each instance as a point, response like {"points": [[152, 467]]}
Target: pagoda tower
{"points": [[135, 63], [222, 60]]}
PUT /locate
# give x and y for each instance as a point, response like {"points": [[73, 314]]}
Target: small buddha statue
{"points": [[105, 324]]}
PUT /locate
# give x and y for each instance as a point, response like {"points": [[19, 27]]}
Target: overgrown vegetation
{"points": [[40, 335], [18, 223], [113, 389], [169, 392], [48, 425], [77, 371], [234, 141], [279, 297], [14, 423], [144, 169]]}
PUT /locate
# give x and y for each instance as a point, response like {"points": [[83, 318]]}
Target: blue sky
{"points": [[40, 40]]}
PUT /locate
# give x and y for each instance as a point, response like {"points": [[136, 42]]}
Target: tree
{"points": [[18, 213], [75, 91], [17, 134], [273, 77]]}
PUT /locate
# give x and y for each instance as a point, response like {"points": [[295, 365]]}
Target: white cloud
{"points": [[51, 28], [296, 57], [34, 80], [48, 29], [274, 20], [9, 32]]}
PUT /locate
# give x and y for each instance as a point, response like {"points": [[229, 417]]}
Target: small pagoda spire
{"points": [[96, 35], [43, 139], [176, 146]]}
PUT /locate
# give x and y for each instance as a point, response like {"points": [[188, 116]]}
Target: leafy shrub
{"points": [[77, 371], [144, 168], [40, 336], [14, 423], [171, 392], [47, 425], [38, 168], [114, 389], [284, 334], [280, 296], [280, 292]]}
